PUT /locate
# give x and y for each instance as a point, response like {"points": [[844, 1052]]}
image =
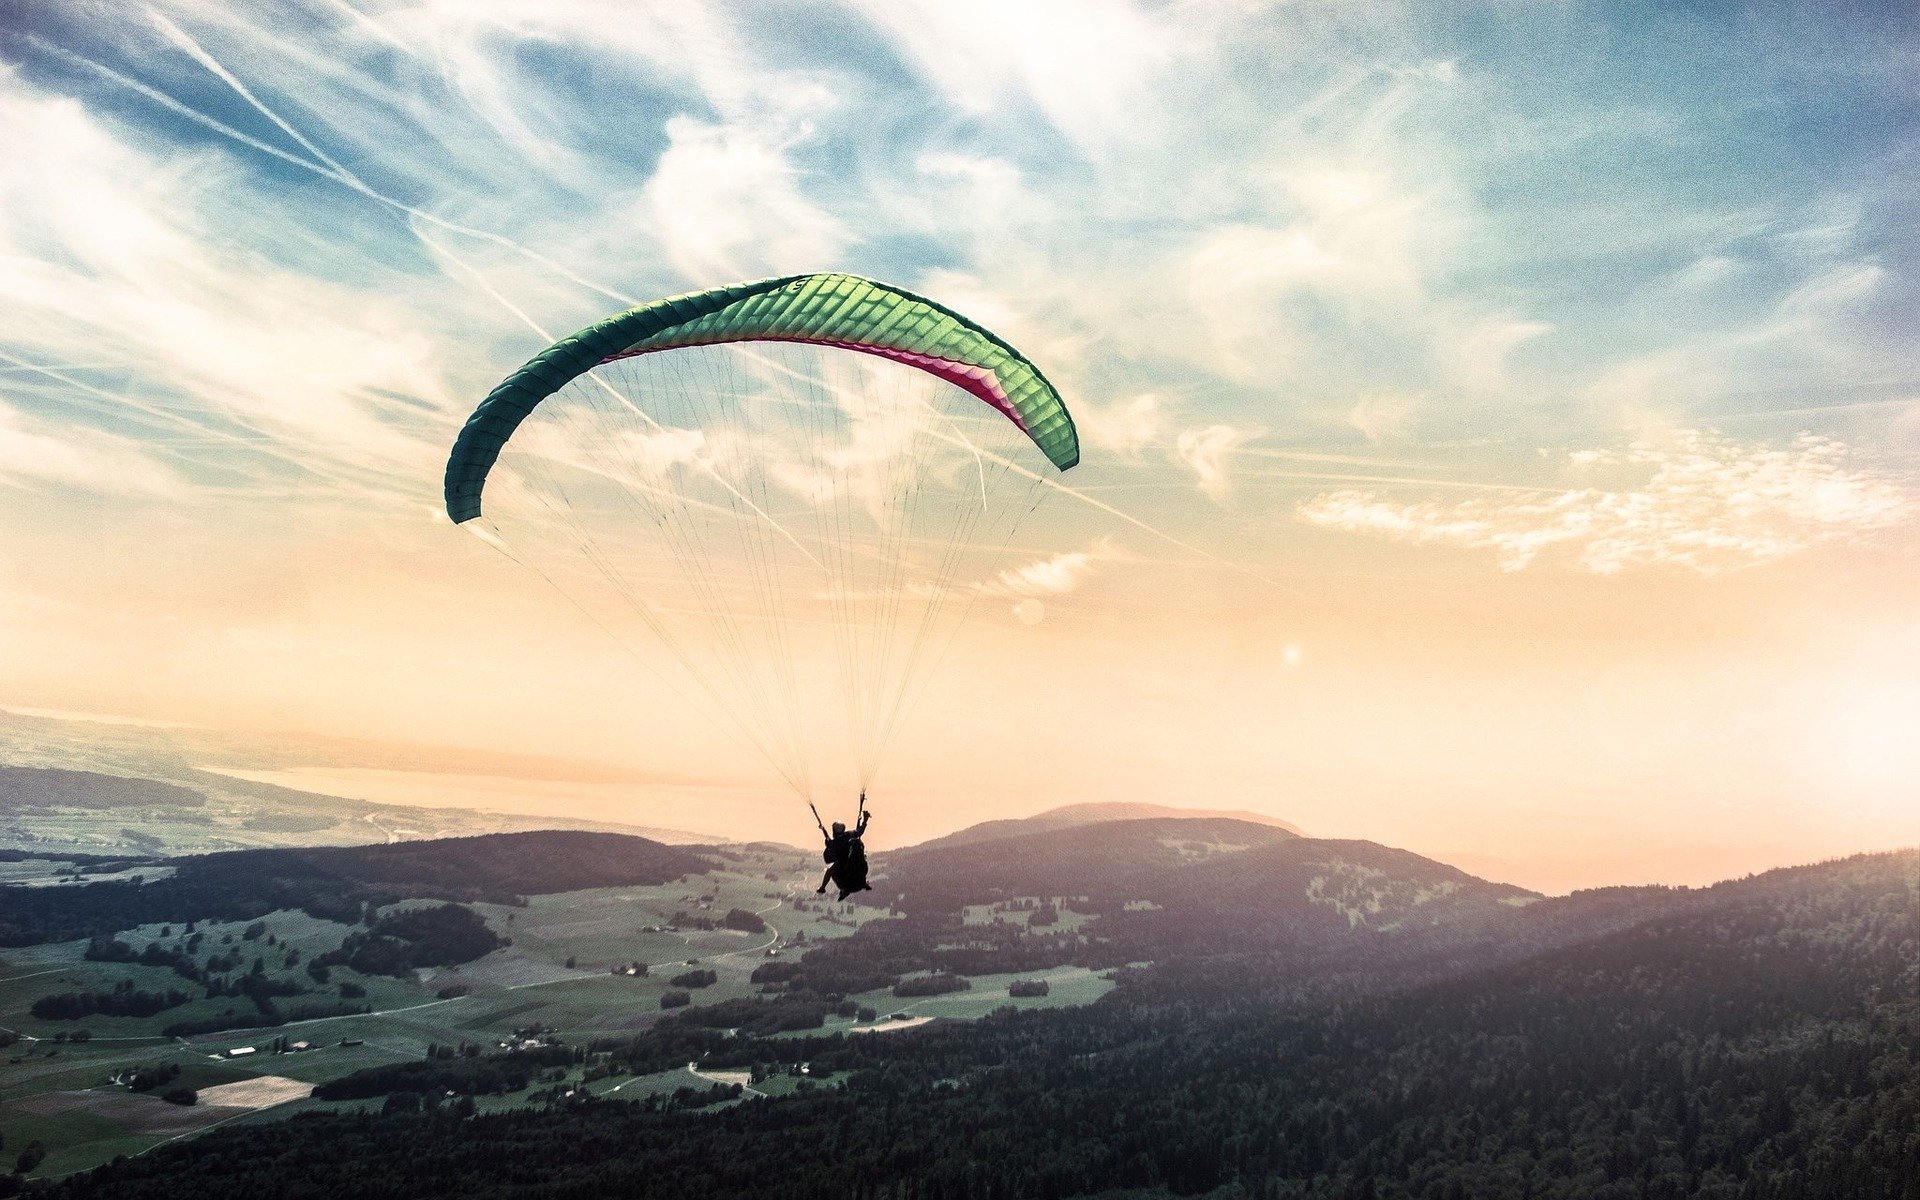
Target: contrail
{"points": [[978, 454], [379, 30], [180, 38], [1761, 414], [1350, 460], [1129, 518], [334, 171], [174, 106], [228, 131], [1414, 481], [123, 404]]}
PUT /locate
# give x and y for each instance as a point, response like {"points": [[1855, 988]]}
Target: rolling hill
{"points": [[339, 881], [32, 792], [1107, 862], [1071, 815]]}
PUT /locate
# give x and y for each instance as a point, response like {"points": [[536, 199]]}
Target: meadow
{"points": [[579, 966]]}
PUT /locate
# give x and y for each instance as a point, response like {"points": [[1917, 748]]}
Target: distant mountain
{"points": [[498, 866], [409, 822], [73, 788], [28, 789], [1091, 814], [337, 882]]}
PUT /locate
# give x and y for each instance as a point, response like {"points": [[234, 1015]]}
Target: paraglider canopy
{"points": [[842, 311]]}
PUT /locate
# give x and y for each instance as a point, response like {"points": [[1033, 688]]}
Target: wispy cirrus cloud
{"points": [[1079, 63], [34, 454], [1126, 428], [1056, 574], [198, 348], [1207, 451], [1704, 503]]}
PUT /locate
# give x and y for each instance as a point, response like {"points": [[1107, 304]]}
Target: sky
{"points": [[1499, 422]]}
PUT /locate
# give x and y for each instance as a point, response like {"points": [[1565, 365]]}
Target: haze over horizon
{"points": [[1520, 416]]}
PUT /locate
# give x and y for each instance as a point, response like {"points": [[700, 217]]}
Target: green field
{"points": [[559, 972], [1013, 912], [1066, 987]]}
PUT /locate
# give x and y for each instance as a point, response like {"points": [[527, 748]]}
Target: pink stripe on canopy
{"points": [[977, 381]]}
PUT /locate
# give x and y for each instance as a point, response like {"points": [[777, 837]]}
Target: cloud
{"points": [[1705, 272], [1706, 504], [1206, 451], [1479, 359], [1835, 288], [1344, 241], [725, 205], [1055, 575], [968, 188], [32, 453], [1383, 416], [141, 268], [1080, 63], [1124, 428]]}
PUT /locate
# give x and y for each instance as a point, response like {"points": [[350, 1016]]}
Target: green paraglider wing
{"points": [[843, 311]]}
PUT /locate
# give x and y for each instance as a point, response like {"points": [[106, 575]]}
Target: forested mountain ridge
{"points": [[1222, 880], [1751, 1040], [487, 867], [339, 881], [26, 790], [1355, 884]]}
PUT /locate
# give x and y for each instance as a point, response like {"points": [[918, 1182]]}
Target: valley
{"points": [[622, 1008]]}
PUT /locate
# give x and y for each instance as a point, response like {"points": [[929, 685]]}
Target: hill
{"points": [[1234, 900], [495, 867], [1091, 814], [1307, 891], [1107, 863], [1167, 888], [29, 791], [339, 881]]}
